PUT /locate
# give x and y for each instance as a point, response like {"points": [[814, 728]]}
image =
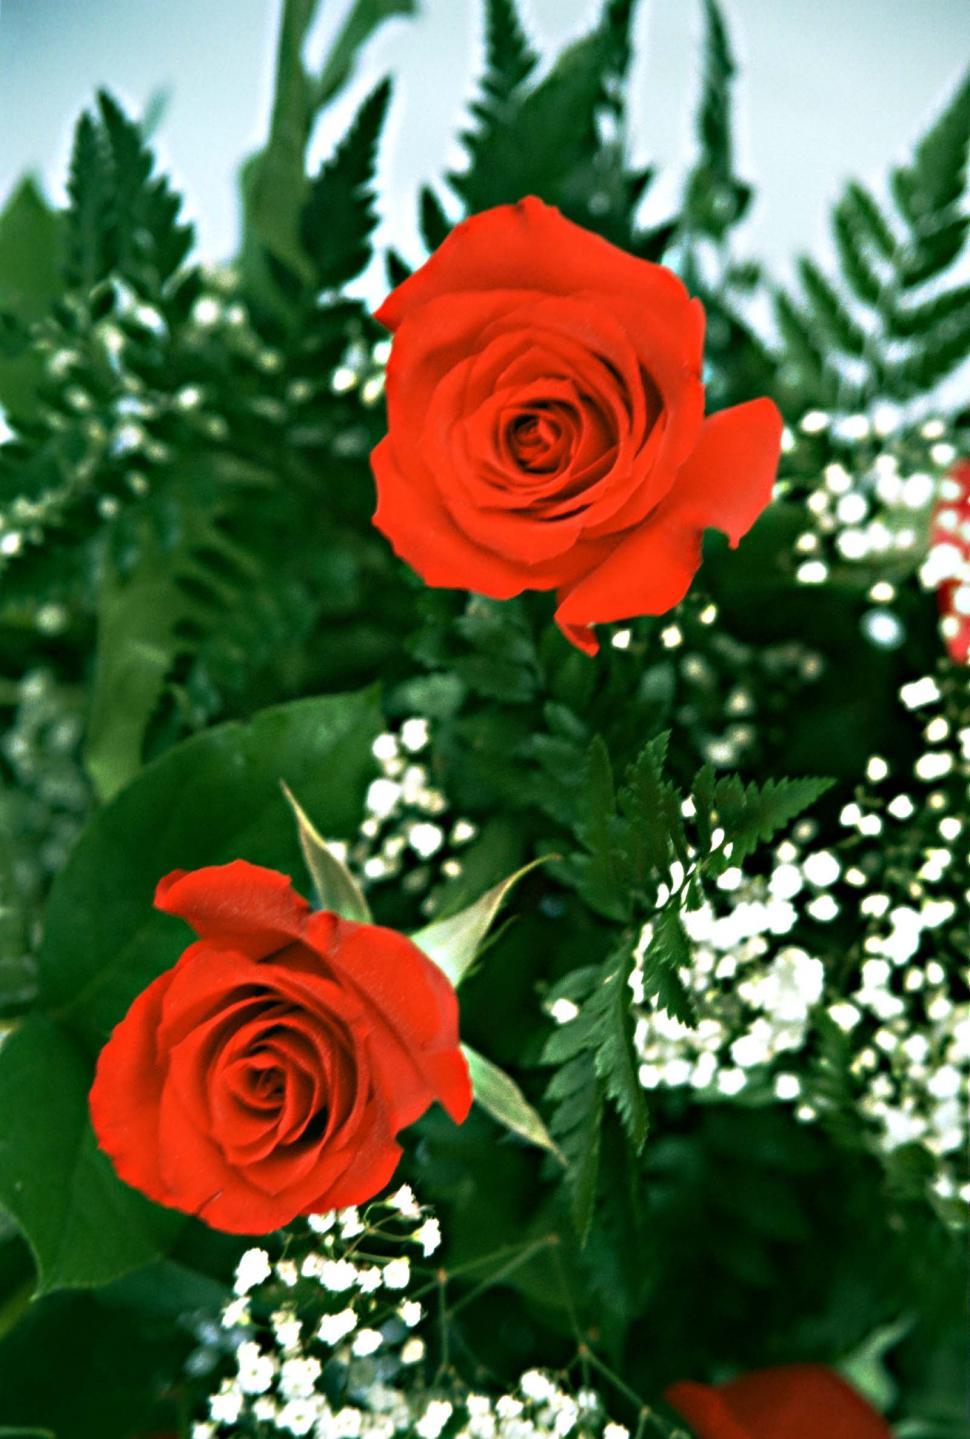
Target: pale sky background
{"points": [[828, 89]]}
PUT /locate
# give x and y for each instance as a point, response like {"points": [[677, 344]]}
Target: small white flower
{"points": [[410, 1313], [412, 1352], [312, 1266], [253, 1268], [346, 1424], [203, 1430], [367, 1341], [236, 1313], [508, 1408], [350, 1223], [299, 1415], [298, 1377], [265, 1409], [322, 1223], [226, 1406], [338, 1275], [397, 1274], [616, 1431], [369, 1279], [434, 1419], [256, 1370], [335, 1327], [404, 1202], [287, 1273], [428, 1236], [536, 1386], [286, 1329]]}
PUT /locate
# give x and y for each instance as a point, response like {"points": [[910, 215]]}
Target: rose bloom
{"points": [[546, 424], [267, 1073], [799, 1401]]}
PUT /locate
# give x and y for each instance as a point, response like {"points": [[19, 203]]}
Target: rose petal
{"points": [[240, 905], [412, 999], [798, 1401], [725, 485], [531, 246], [126, 1091]]}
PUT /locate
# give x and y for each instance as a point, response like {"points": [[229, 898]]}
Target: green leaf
{"points": [[615, 1057], [364, 17], [830, 310], [577, 1124], [716, 199], [210, 800], [501, 1097], [336, 888], [274, 182], [603, 1032], [89, 222], [83, 1225], [31, 258], [752, 815], [454, 942], [666, 954], [339, 214], [149, 242]]}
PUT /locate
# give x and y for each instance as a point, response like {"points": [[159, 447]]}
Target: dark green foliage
{"points": [[715, 199], [872, 332], [122, 217], [339, 214], [522, 144]]}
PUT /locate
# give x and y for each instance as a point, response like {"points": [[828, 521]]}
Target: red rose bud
{"points": [[267, 1074], [949, 560], [800, 1401], [546, 424]]}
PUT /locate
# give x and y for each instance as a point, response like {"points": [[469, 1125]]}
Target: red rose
{"points": [[800, 1401], [950, 534], [546, 423], [267, 1073]]}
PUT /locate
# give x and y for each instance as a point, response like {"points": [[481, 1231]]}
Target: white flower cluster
{"points": [[322, 1343], [755, 988], [406, 825], [337, 1306], [872, 506], [908, 1013], [766, 959]]}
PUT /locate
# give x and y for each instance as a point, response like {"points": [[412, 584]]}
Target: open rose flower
{"points": [[799, 1401], [546, 423], [267, 1073]]}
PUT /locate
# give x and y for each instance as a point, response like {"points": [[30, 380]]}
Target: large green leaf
{"points": [[31, 243], [83, 1225], [213, 799]]}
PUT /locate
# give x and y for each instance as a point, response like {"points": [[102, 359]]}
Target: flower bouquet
{"points": [[483, 779]]}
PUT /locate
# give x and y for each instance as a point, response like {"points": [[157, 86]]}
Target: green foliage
{"points": [[31, 258], [594, 1058], [122, 218], [274, 182], [517, 144], [886, 327], [84, 1227], [222, 800], [715, 199], [633, 837], [339, 215]]}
